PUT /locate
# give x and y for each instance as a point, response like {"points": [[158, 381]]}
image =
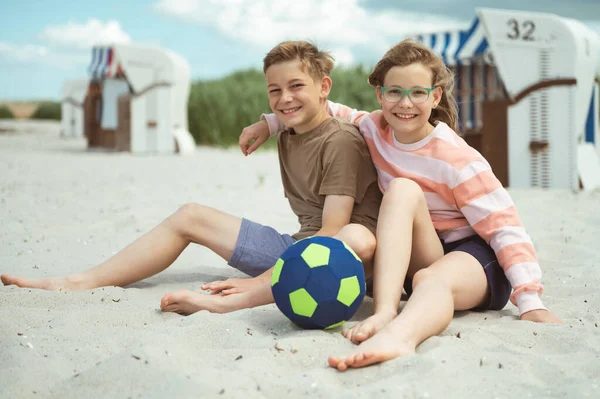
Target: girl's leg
{"points": [[455, 282], [151, 253], [406, 243]]}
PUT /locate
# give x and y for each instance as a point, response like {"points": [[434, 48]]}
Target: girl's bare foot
{"points": [[369, 327], [62, 283], [187, 302], [384, 345]]}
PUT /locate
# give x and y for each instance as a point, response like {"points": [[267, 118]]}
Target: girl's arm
{"points": [[334, 109], [254, 135], [491, 212]]}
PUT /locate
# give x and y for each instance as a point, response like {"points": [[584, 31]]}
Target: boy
{"points": [[328, 178]]}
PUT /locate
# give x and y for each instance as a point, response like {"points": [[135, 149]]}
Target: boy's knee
{"points": [[189, 214]]}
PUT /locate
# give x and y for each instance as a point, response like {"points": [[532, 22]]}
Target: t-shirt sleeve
{"points": [[345, 160]]}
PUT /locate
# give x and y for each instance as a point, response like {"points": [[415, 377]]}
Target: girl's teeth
{"points": [[287, 111]]}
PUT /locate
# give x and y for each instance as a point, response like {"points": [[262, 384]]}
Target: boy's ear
{"points": [[326, 84]]}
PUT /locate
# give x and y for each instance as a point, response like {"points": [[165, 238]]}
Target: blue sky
{"points": [[44, 43]]}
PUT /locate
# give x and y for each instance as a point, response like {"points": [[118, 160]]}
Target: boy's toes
{"points": [[165, 301]]}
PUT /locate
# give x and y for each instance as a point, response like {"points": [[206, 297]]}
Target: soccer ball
{"points": [[318, 282]]}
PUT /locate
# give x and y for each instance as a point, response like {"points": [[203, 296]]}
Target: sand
{"points": [[64, 208]]}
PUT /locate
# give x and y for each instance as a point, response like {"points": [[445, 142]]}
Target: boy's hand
{"points": [[233, 285], [541, 316], [253, 136]]}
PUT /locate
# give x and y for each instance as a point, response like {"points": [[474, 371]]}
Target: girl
{"points": [[448, 232]]}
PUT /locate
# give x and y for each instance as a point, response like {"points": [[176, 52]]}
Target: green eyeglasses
{"points": [[416, 95]]}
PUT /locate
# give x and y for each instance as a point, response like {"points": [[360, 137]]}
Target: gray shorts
{"points": [[258, 247]]}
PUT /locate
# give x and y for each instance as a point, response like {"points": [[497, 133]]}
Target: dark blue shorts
{"points": [[499, 285], [258, 247]]}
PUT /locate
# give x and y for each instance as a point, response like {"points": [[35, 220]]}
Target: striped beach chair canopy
{"points": [[103, 64], [459, 47]]}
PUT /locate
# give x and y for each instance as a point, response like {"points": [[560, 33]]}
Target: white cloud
{"points": [[65, 46], [20, 53], [31, 54], [343, 57], [341, 24], [83, 36]]}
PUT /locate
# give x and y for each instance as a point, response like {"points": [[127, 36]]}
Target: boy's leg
{"points": [[151, 253], [455, 282], [187, 302], [257, 249], [406, 243], [257, 292]]}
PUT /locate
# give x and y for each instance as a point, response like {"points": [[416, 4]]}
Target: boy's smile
{"points": [[295, 97], [290, 110]]}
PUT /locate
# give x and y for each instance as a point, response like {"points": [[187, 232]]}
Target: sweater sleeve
{"points": [[334, 109], [489, 209]]}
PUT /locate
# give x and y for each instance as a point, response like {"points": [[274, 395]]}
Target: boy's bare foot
{"points": [[62, 283], [384, 345], [187, 302], [369, 327]]}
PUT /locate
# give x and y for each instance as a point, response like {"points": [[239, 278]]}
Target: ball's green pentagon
{"points": [[352, 252], [302, 303], [349, 290], [276, 271], [316, 255], [335, 325]]}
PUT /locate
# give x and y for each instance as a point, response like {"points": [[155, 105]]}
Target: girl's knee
{"points": [[404, 189], [360, 239], [427, 275]]}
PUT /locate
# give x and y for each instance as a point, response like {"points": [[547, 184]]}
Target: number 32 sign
{"points": [[521, 30]]}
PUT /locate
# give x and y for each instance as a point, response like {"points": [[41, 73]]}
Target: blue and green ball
{"points": [[318, 282]]}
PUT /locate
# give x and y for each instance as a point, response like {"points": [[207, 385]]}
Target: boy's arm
{"points": [[337, 211]]}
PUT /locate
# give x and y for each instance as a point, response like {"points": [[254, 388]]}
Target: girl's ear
{"points": [[326, 84], [437, 96], [379, 96]]}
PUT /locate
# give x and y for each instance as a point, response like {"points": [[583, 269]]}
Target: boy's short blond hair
{"points": [[315, 62]]}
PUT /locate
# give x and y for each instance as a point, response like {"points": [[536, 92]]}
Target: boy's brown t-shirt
{"points": [[332, 159]]}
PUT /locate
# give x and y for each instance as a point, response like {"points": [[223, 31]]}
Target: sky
{"points": [[45, 43]]}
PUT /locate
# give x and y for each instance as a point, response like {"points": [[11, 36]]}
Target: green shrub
{"points": [[6, 113], [47, 110], [350, 87], [219, 109]]}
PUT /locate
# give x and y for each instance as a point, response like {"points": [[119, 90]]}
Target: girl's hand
{"points": [[253, 136], [541, 316]]}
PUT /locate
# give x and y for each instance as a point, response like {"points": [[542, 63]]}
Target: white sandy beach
{"points": [[64, 208]]}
